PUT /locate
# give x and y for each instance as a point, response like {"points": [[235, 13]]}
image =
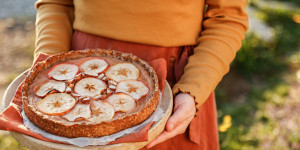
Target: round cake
{"points": [[90, 93]]}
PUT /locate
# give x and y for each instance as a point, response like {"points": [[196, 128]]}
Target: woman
{"points": [[198, 43]]}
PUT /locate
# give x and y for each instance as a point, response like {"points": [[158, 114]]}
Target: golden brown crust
{"points": [[90, 130]]}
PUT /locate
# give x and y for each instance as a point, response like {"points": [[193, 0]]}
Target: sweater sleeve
{"points": [[224, 25], [54, 22]]}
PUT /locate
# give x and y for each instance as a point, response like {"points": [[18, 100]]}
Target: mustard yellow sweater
{"points": [[217, 32]]}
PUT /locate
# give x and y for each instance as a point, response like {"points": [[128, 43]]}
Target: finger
{"points": [[181, 114], [167, 135], [164, 136]]}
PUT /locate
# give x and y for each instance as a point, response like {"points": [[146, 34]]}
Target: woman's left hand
{"points": [[184, 112]]}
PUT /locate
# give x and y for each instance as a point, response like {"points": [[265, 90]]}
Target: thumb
{"points": [[184, 109], [180, 115]]}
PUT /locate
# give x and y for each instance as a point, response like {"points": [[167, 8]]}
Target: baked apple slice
{"points": [[134, 88], [89, 87], [56, 104], [121, 102], [122, 71], [64, 71], [49, 86], [101, 111], [79, 112], [93, 66]]}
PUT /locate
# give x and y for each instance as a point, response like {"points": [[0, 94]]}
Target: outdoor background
{"points": [[258, 101]]}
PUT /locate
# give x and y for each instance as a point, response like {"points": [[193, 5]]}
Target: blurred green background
{"points": [[258, 100]]}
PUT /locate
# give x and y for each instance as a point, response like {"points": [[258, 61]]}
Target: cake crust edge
{"points": [[90, 130]]}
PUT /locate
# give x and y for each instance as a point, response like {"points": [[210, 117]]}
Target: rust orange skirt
{"points": [[202, 132]]}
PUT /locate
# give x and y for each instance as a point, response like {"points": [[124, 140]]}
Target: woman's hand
{"points": [[184, 112]]}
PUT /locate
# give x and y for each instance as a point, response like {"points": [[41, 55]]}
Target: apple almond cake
{"points": [[90, 93]]}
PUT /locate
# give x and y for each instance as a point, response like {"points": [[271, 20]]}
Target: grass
{"points": [[16, 49], [295, 2], [267, 69], [9, 143]]}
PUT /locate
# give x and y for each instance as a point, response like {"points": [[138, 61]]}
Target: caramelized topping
{"points": [[92, 91]]}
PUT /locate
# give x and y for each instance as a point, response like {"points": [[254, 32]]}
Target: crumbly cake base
{"points": [[89, 130]]}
